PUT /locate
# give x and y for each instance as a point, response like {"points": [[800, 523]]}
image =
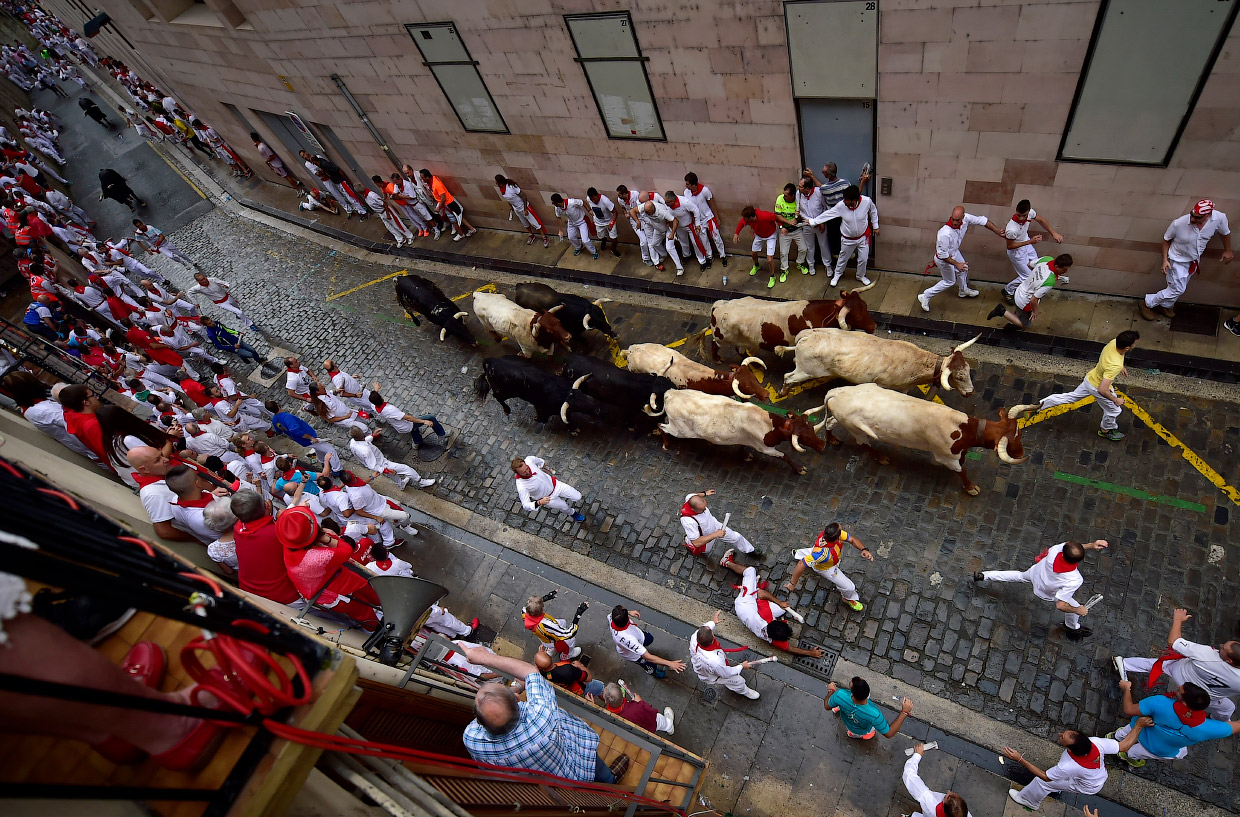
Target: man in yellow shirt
{"points": [[1098, 384]]}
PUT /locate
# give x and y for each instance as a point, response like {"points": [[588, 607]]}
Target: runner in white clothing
{"points": [[858, 225], [631, 642], [1217, 671], [687, 229], [605, 215], [708, 227], [217, 290], [403, 423], [347, 386], [627, 200], [525, 214], [1055, 578], [366, 501], [538, 486], [1020, 245], [384, 209], [1081, 768], [1183, 244], [947, 255], [334, 410], [811, 204], [953, 805], [711, 664], [574, 212], [764, 614], [155, 242], [702, 529], [441, 621], [363, 448], [658, 226]]}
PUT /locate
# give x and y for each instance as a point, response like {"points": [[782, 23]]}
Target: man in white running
{"points": [[217, 290], [537, 486], [702, 528], [658, 225], [628, 200], [525, 214], [708, 225], [711, 664], [1056, 578], [604, 213], [154, 240], [858, 217], [363, 448], [688, 229], [932, 803], [574, 212], [348, 387], [1020, 245], [764, 614], [1081, 768], [384, 512], [947, 255], [1183, 244], [1217, 671]]}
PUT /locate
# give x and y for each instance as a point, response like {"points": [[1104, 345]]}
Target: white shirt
{"points": [[627, 202], [343, 381], [1203, 666], [684, 212], [1188, 242], [711, 665], [630, 642], [223, 552], [928, 801], [49, 417], [701, 200], [853, 223], [190, 521], [207, 443], [365, 498], [659, 219], [215, 289], [228, 387], [699, 524], [512, 194], [298, 381], [1015, 231], [575, 210], [536, 486], [1039, 282], [336, 501], [335, 406], [746, 605], [603, 209], [947, 242], [375, 200], [157, 499], [396, 567], [811, 205], [368, 455], [1068, 775], [1051, 586], [395, 418]]}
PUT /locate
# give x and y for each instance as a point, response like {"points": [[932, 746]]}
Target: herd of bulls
{"points": [[662, 389]]}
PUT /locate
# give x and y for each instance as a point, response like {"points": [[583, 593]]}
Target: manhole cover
{"points": [[819, 667], [430, 452], [484, 635], [709, 695]]}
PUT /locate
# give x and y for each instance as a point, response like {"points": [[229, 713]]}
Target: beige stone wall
{"points": [[973, 99]]}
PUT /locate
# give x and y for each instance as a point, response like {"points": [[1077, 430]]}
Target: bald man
{"points": [[702, 529], [947, 257], [150, 466]]}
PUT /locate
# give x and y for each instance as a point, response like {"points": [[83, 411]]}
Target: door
{"points": [[840, 131]]}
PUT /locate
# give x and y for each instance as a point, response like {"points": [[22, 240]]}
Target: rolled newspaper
{"points": [[726, 517], [1089, 605], [766, 660], [934, 744]]}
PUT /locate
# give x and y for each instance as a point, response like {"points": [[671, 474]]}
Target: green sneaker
{"points": [[855, 606], [1114, 434], [754, 271], [1136, 764], [804, 270], [783, 276], [771, 282]]}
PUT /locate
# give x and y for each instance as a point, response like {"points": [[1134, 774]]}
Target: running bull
{"points": [[578, 315], [511, 377], [723, 421], [652, 358], [754, 322], [626, 392], [534, 331], [418, 295], [861, 358], [873, 414]]}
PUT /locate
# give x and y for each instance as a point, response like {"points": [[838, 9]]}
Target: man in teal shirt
{"points": [[1179, 721], [861, 718]]}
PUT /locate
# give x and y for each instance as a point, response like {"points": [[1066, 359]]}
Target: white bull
{"points": [[873, 414], [533, 331], [723, 421], [861, 358], [652, 358]]}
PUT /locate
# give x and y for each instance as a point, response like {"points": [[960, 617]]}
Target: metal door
{"points": [[840, 131]]}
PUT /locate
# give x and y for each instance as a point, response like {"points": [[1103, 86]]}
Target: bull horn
{"points": [[870, 285], [1001, 450], [585, 322], [967, 344], [564, 412], [842, 319], [460, 315], [752, 359], [443, 333], [577, 384], [943, 377], [651, 413], [736, 388], [555, 309], [602, 301], [1017, 411], [797, 445]]}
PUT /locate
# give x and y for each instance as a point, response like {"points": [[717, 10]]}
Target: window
{"points": [[457, 74], [1147, 63], [616, 71]]}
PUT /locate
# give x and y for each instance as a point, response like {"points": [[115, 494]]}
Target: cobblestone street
{"points": [[996, 650]]}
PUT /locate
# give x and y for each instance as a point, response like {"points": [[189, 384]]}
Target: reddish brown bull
{"points": [[746, 323]]}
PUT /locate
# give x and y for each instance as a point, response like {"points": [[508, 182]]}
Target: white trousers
{"points": [[323, 449], [396, 227], [1072, 620], [861, 247], [641, 240], [786, 240], [561, 495], [401, 469], [444, 623], [231, 306], [349, 203], [1177, 282], [736, 683], [847, 589], [579, 236], [709, 231], [660, 723], [660, 244], [1038, 789], [351, 422], [950, 275], [688, 238], [1110, 409], [1220, 708], [417, 214], [1139, 752], [816, 246], [174, 252], [732, 539], [133, 265], [1020, 258], [77, 215], [390, 515]]}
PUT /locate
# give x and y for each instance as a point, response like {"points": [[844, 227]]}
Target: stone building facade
{"points": [[971, 101]]}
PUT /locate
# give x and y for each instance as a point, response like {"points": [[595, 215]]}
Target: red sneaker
{"points": [[194, 750], [362, 415], [146, 662]]}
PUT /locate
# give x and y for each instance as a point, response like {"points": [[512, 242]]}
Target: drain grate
{"points": [[818, 667], [1195, 319], [709, 695]]}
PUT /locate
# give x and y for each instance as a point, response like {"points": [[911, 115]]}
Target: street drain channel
{"points": [[818, 667]]}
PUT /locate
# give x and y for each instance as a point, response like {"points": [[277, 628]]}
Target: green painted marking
{"points": [[1136, 492]]}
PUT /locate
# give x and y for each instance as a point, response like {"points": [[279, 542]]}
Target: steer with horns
{"points": [[860, 358], [533, 331], [578, 315], [627, 392], [723, 421], [418, 295], [747, 323], [652, 358], [511, 376], [873, 414]]}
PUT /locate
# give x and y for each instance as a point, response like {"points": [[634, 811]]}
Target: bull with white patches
{"points": [[533, 331], [873, 414], [723, 421], [652, 358], [861, 358], [749, 323], [418, 295], [578, 315]]}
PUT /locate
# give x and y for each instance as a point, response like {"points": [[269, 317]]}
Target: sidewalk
{"points": [[782, 754]]}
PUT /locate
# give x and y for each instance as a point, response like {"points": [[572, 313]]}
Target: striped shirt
{"points": [[833, 192], [545, 739]]}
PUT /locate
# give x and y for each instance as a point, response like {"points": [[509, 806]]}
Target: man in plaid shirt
{"points": [[535, 734]]}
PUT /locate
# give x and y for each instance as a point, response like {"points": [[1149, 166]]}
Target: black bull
{"points": [[578, 315], [418, 295], [626, 392], [550, 394]]}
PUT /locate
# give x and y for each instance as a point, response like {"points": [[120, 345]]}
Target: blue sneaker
{"points": [[596, 256], [577, 251], [660, 671], [579, 517]]}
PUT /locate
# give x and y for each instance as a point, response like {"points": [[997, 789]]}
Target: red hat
{"points": [[1203, 208], [297, 528], [94, 278]]}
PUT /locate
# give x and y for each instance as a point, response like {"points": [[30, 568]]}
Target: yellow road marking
{"points": [[483, 288], [1053, 411], [683, 340], [1214, 477], [388, 277], [172, 165]]}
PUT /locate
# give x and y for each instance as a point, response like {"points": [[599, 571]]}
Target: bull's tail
{"points": [[783, 350], [410, 312], [482, 387], [700, 337]]}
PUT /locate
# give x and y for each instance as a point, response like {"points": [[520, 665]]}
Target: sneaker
{"points": [[596, 256], [579, 517], [1118, 662], [573, 653], [835, 279], [529, 241], [670, 717], [546, 242], [472, 230], [647, 666], [754, 271], [615, 252], [770, 283], [1078, 633], [997, 312], [865, 281], [1112, 434], [1231, 325], [457, 237], [575, 252], [409, 530], [813, 271], [402, 483], [751, 694], [924, 301], [804, 270], [723, 259], [979, 577], [679, 272], [728, 556], [438, 232], [855, 606], [1136, 764], [1018, 799], [783, 276], [969, 293], [426, 483]]}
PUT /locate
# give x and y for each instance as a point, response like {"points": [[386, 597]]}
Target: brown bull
{"points": [[746, 323]]}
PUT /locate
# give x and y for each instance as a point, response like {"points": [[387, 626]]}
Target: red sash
{"points": [[1156, 671]]}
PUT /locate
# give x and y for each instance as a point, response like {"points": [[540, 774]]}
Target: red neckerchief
{"points": [[1060, 565], [619, 629], [381, 407], [949, 224], [333, 488], [1156, 671], [697, 189], [1092, 760], [1051, 266], [201, 502], [615, 711], [1189, 717], [687, 510], [939, 811], [1019, 219], [386, 564], [267, 458], [288, 474], [503, 188], [533, 472], [144, 480]]}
